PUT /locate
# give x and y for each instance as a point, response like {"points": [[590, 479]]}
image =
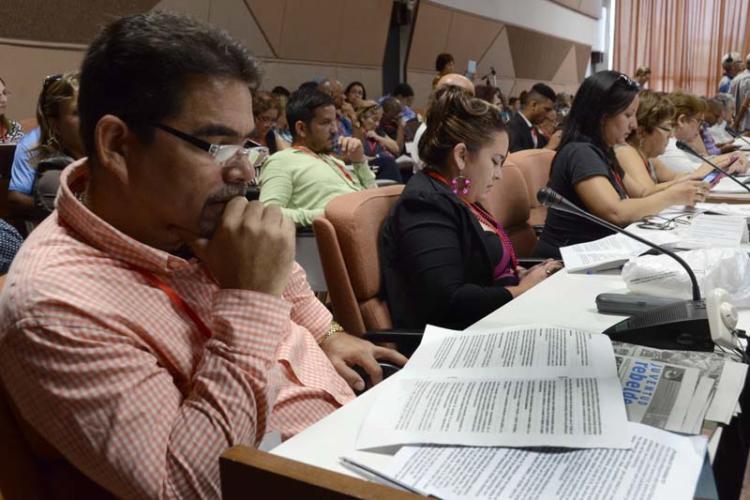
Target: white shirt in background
{"points": [[678, 160]]}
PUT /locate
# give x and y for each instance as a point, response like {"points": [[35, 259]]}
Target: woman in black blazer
{"points": [[446, 261]]}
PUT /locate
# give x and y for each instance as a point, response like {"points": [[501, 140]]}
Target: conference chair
{"points": [[535, 165], [245, 470], [347, 236], [508, 202]]}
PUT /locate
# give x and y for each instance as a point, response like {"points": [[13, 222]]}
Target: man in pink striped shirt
{"points": [[157, 317]]}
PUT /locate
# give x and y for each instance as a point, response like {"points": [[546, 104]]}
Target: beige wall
{"points": [[520, 56], [297, 40]]}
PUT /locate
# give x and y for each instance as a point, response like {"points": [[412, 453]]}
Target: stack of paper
{"points": [[678, 390], [523, 386], [610, 252], [660, 465], [712, 231]]}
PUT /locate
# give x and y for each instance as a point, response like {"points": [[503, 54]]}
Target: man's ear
{"points": [[113, 141], [300, 129]]}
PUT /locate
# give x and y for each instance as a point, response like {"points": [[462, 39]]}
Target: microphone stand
{"points": [[682, 325]]}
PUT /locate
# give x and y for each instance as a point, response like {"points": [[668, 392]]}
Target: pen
{"points": [[358, 467]]}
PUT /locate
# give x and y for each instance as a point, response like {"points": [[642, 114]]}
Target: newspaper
{"points": [[727, 375], [659, 394], [660, 465], [518, 386]]}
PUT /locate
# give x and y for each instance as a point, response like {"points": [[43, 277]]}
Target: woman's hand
{"points": [[534, 275], [689, 192]]}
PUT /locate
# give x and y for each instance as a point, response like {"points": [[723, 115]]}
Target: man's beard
{"points": [[210, 221]]}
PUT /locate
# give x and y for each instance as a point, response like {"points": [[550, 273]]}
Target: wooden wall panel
{"points": [[270, 17], [362, 31], [302, 38], [591, 8], [30, 65], [234, 17], [583, 54], [62, 21], [469, 37], [499, 56], [568, 70], [430, 36], [198, 9], [421, 82], [292, 74], [535, 55]]}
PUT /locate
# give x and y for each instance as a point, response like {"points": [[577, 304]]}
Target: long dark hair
{"points": [[602, 95]]}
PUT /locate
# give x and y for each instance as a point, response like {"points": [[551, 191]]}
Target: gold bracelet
{"points": [[332, 329]]}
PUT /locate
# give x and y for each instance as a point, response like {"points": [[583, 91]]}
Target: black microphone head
{"points": [[548, 197], [684, 147]]}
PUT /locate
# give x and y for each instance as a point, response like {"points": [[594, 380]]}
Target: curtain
{"points": [[682, 41]]}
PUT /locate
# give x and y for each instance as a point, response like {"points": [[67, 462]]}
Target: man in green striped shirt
{"points": [[303, 178]]}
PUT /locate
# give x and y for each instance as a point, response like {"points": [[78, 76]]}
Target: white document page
{"points": [[727, 185], [660, 465], [712, 231], [611, 251], [725, 209], [698, 406], [727, 393], [518, 386]]}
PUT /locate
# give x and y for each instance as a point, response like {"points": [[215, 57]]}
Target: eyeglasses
{"points": [[664, 129], [222, 153]]}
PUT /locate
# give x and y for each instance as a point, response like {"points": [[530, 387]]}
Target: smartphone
{"points": [[713, 177]]}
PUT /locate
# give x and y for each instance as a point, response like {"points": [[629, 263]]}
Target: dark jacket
{"points": [[437, 261], [520, 135]]}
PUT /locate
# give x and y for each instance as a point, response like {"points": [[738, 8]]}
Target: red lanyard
{"points": [[176, 300], [483, 217], [618, 179], [341, 169]]}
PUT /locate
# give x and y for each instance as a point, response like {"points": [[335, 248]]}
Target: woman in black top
{"points": [[585, 171], [446, 261]]}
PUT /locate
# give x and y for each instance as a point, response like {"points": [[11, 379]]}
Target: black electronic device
{"points": [[684, 147], [629, 304], [682, 325]]}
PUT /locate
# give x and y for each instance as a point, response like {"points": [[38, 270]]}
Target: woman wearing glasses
{"points": [[686, 127], [266, 110], [10, 131], [60, 142], [586, 172], [639, 157]]}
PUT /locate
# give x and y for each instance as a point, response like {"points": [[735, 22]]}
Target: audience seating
{"points": [[306, 254], [246, 470], [508, 202], [535, 165], [347, 238]]}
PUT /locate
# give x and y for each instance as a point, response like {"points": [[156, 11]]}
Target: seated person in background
{"points": [[688, 116], [10, 131], [60, 141], [446, 261], [282, 127], [644, 173], [539, 102], [642, 76], [405, 95], [22, 175], [444, 65], [345, 114], [731, 65], [451, 79], [380, 149], [266, 111], [551, 130], [157, 317], [585, 170], [10, 242], [355, 93], [392, 122], [303, 178], [715, 119]]}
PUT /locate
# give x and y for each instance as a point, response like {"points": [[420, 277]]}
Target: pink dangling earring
{"points": [[460, 185]]}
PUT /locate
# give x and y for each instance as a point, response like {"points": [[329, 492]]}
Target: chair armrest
{"points": [[406, 340], [530, 261]]}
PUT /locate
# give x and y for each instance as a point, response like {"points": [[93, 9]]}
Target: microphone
{"points": [[681, 325], [737, 135], [684, 147]]}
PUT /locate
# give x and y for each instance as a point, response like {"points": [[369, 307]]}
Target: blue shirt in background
{"points": [[22, 173]]}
